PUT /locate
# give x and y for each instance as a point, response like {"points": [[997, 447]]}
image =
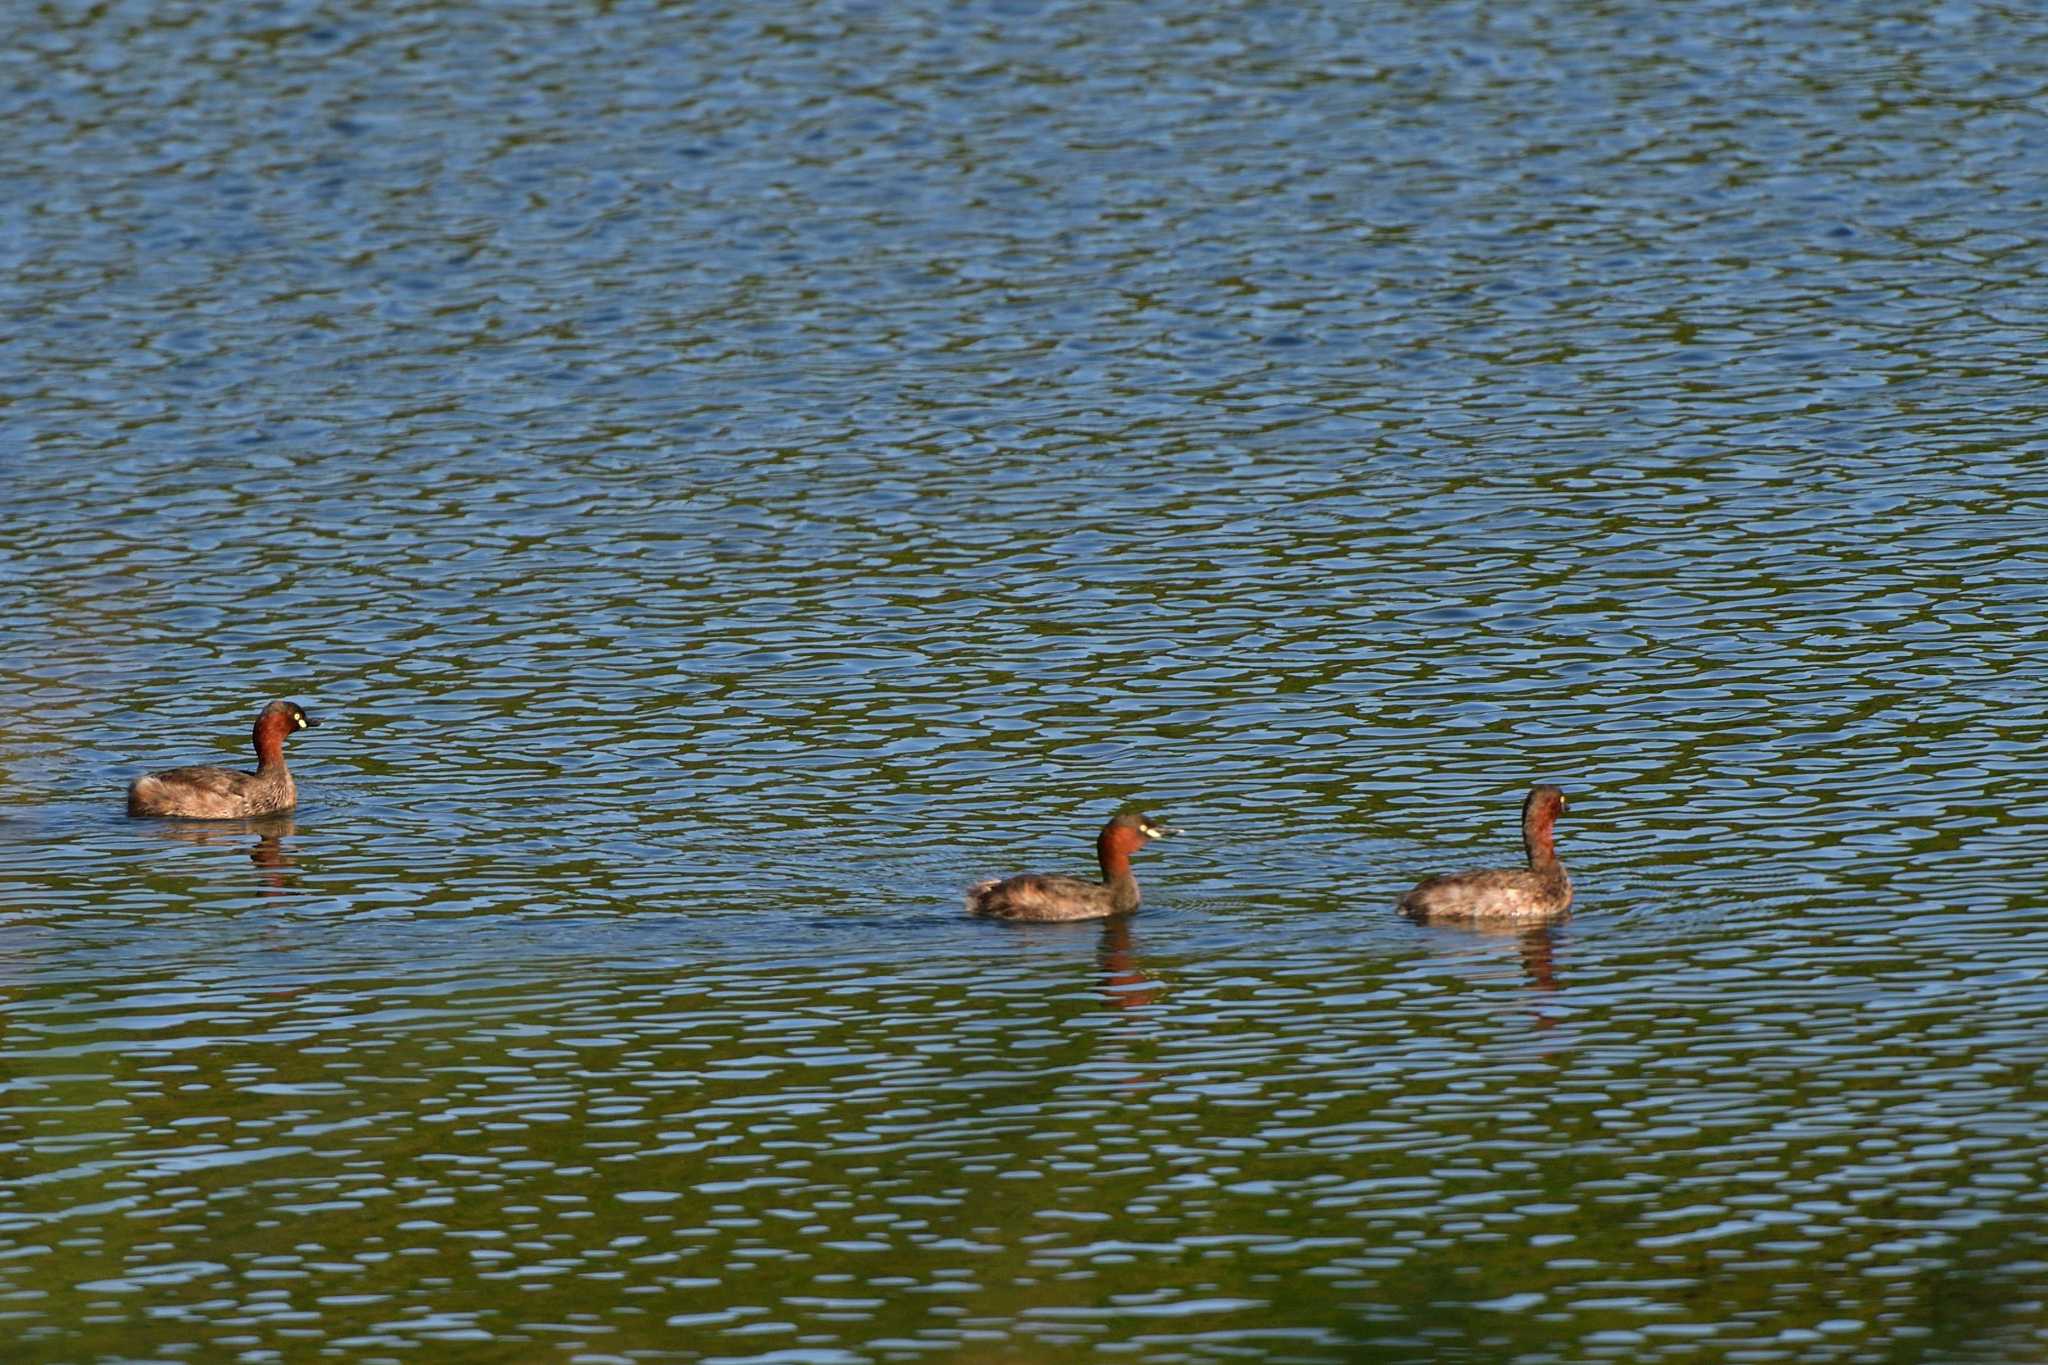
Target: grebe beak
{"points": [[1156, 831]]}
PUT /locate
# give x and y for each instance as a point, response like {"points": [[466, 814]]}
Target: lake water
{"points": [[728, 477]]}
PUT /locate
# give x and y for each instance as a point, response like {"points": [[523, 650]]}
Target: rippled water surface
{"points": [[728, 478]]}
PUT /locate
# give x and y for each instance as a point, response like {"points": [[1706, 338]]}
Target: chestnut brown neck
{"points": [[270, 733], [1539, 834], [1113, 848]]}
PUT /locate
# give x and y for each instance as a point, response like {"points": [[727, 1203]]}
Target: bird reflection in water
{"points": [[1484, 945], [270, 853], [1125, 984], [1484, 952], [1538, 949], [1127, 1055]]}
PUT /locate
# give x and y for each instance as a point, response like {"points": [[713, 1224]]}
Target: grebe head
{"points": [[275, 722], [1128, 831], [1545, 800]]}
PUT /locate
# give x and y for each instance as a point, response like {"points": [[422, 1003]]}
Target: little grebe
{"points": [[1539, 891], [207, 793], [1036, 896]]}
